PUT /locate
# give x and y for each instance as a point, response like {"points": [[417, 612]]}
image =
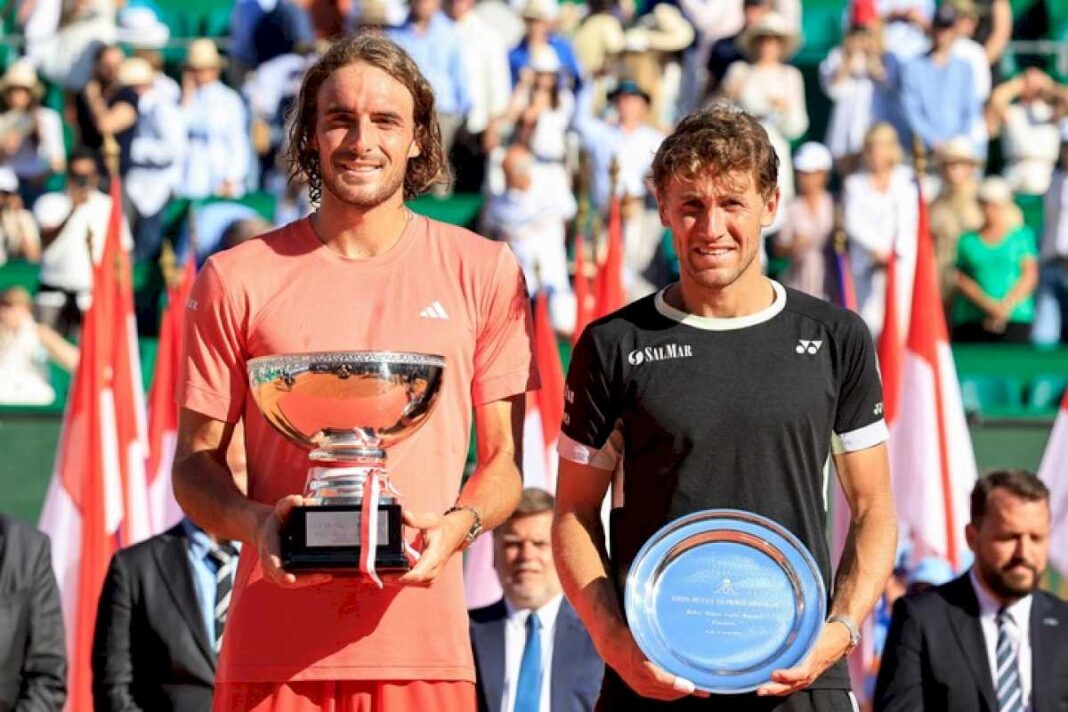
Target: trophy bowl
{"points": [[347, 408]]}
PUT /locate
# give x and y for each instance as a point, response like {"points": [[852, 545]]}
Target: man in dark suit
{"points": [[988, 641], [33, 658], [532, 653], [159, 622]]}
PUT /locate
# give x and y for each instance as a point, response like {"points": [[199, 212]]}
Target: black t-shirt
{"points": [[740, 413], [92, 138]]}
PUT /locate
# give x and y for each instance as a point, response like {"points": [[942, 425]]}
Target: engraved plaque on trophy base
{"points": [[326, 539]]}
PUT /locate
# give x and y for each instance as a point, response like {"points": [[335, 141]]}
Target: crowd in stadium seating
{"points": [[549, 110]]}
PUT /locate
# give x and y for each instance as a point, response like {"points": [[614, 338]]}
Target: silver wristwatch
{"points": [[854, 632], [476, 525]]}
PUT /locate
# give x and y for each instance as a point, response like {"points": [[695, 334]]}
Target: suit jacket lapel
{"points": [[565, 663], [1044, 656], [489, 641], [179, 582], [965, 625]]}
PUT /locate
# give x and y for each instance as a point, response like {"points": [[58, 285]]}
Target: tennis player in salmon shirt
{"points": [[361, 273]]}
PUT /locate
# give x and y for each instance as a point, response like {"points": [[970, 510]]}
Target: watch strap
{"points": [[476, 525]]}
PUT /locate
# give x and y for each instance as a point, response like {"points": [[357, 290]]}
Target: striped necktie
{"points": [[1010, 691], [225, 558]]}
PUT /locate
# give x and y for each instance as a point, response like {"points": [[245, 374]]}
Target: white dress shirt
{"points": [[515, 638], [1019, 630], [486, 65], [881, 221], [218, 148], [157, 153]]}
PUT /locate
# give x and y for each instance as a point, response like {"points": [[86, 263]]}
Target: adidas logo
{"points": [[434, 311], [805, 346]]}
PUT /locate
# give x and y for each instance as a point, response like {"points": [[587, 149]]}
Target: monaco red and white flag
{"points": [[162, 407], [1053, 470], [545, 406], [931, 456], [97, 500], [609, 289]]}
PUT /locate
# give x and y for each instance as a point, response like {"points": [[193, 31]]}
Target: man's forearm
{"points": [[493, 490], [581, 562], [867, 560], [206, 491]]}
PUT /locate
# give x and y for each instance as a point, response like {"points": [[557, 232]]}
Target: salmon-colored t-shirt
{"points": [[439, 290]]}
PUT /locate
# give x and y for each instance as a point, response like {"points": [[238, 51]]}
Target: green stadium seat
{"points": [[19, 273], [991, 393], [1046, 393], [1031, 207]]}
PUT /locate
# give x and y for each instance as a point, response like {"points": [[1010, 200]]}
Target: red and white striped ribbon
{"points": [[376, 482]]}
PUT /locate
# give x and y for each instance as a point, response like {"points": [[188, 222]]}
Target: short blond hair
{"points": [[884, 131], [721, 139]]}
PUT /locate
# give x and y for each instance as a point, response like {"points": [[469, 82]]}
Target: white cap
{"points": [[995, 190], [9, 182], [544, 60], [812, 156], [139, 27]]}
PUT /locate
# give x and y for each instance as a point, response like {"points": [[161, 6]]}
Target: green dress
{"points": [[995, 268]]}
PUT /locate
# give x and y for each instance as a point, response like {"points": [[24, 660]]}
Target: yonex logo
{"points": [[659, 353], [434, 311], [804, 346]]}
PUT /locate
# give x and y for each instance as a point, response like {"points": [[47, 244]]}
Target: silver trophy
{"points": [[348, 408]]}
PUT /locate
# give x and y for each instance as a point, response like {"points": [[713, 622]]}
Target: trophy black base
{"points": [[326, 539]]}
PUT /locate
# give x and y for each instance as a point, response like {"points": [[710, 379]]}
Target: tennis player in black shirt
{"points": [[725, 389]]}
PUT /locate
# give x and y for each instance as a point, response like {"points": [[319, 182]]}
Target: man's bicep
{"points": [[864, 475], [581, 488], [198, 432]]}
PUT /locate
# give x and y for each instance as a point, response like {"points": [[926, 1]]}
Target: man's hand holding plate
{"points": [[831, 646]]}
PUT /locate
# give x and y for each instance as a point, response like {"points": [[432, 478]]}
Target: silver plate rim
{"points": [[636, 593]]}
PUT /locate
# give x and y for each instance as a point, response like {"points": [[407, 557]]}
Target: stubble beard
{"points": [[1004, 584], [362, 197]]}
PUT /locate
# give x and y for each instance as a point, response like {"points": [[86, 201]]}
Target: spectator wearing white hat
{"points": [[218, 157], [808, 222], [141, 31], [955, 210], [1051, 307], [539, 114], [156, 156], [31, 135], [997, 272], [769, 89], [540, 17], [19, 238]]}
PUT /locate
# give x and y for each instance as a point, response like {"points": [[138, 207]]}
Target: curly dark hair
{"points": [[720, 138], [424, 171]]}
